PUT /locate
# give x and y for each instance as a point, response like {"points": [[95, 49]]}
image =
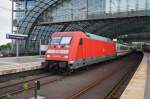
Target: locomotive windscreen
{"points": [[65, 40], [55, 40], [60, 40]]}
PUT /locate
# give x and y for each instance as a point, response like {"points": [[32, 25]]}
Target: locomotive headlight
{"points": [[48, 56], [65, 56], [59, 46]]}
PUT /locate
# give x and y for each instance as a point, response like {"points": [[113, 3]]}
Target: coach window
{"points": [[65, 40]]}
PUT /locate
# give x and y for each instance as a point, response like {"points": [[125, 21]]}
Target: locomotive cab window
{"points": [[55, 40], [65, 40]]}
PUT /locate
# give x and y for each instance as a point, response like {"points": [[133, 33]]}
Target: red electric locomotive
{"points": [[72, 50]]}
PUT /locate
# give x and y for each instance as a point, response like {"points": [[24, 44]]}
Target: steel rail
{"points": [[126, 77], [10, 85], [98, 82], [92, 85], [19, 90]]}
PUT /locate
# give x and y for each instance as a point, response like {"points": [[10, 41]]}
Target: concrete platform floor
{"points": [[138, 86], [18, 64]]}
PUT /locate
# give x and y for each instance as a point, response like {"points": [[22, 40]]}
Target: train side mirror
{"points": [[81, 41]]}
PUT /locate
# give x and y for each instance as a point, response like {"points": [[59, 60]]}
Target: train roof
{"points": [[83, 34], [68, 33], [96, 37]]}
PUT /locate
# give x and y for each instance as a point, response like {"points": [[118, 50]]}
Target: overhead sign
{"points": [[17, 36]]}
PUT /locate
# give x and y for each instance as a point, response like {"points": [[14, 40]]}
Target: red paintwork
{"points": [[90, 47]]}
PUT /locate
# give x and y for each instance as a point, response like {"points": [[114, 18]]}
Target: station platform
{"points": [[139, 86], [10, 65]]}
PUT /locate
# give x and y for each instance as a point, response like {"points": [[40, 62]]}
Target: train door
{"points": [[83, 50]]}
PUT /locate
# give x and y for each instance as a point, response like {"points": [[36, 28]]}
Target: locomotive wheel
{"points": [[45, 65], [53, 68], [68, 71]]}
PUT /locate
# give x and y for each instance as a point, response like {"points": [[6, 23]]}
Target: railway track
{"points": [[91, 86], [117, 90], [113, 93], [18, 87]]}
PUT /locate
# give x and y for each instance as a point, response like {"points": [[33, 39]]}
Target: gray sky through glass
{"points": [[5, 20]]}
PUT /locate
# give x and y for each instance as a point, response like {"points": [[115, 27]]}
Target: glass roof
{"points": [[109, 29]]}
